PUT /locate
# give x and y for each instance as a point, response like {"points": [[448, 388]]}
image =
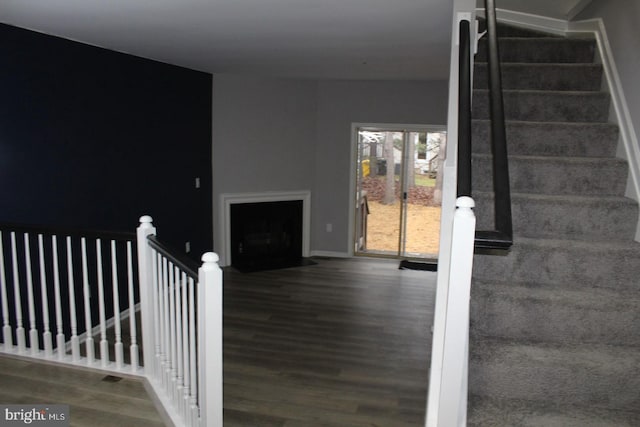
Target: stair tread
{"points": [[600, 375], [619, 358], [544, 64], [589, 93], [585, 297], [546, 123], [547, 105], [559, 138], [542, 49], [591, 245], [526, 413], [571, 314], [566, 198], [568, 159]]}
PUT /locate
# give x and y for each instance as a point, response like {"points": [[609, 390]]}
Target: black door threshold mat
{"points": [[413, 265]]}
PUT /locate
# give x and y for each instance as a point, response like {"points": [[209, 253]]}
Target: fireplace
{"points": [[264, 230], [266, 235]]}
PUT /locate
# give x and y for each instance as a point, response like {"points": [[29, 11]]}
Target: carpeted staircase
{"points": [[555, 329]]}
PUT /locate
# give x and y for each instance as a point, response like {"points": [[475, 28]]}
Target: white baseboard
{"points": [[529, 21], [330, 254]]}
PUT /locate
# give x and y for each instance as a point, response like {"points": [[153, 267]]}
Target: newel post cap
{"points": [[145, 219], [465, 202], [210, 258]]}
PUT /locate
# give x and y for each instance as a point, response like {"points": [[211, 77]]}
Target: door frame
{"points": [[399, 127]]}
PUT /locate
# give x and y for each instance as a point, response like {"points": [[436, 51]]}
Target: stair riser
{"points": [[556, 176], [537, 319], [546, 106], [556, 218], [551, 139], [598, 384], [583, 77], [562, 265], [540, 50]]}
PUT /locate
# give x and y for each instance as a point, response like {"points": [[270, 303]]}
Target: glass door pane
{"points": [[377, 202], [421, 209]]}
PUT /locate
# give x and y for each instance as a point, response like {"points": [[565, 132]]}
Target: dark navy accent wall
{"points": [[93, 138]]}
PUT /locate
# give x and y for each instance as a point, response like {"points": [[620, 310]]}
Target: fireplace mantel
{"points": [[228, 199]]}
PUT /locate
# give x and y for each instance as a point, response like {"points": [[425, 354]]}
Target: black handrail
{"points": [[67, 231], [502, 236], [464, 111], [185, 263]]}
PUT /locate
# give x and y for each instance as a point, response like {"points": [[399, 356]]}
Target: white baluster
{"points": [[133, 347], [86, 292], [119, 351], [104, 344], [172, 330], [20, 333], [157, 324], [47, 338], [60, 341], [193, 373], [34, 343], [6, 326], [75, 343], [160, 311], [166, 377], [185, 346], [179, 343]]}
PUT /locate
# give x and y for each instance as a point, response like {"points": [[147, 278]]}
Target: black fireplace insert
{"points": [[266, 235]]}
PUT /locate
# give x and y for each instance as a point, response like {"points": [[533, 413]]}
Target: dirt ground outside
{"points": [[423, 228]]}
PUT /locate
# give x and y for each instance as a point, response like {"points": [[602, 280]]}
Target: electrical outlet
{"points": [[329, 227]]}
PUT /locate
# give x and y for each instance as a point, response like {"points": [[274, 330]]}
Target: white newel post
{"points": [[145, 229], [453, 388], [210, 340]]}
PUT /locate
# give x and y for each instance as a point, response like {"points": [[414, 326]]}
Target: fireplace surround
{"points": [[273, 230]]}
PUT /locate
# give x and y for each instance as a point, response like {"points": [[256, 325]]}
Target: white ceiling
{"points": [[349, 39]]}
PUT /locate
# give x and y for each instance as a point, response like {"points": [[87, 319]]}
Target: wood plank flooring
{"points": [[338, 344], [93, 401], [344, 343]]}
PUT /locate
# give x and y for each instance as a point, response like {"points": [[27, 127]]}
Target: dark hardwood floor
{"points": [[95, 399], [343, 343], [338, 344]]}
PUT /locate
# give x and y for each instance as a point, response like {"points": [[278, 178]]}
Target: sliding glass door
{"points": [[397, 191]]}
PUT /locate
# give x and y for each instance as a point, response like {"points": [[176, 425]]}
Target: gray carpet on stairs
{"points": [[555, 322]]}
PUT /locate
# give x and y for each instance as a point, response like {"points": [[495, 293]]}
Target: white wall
{"points": [[621, 19], [263, 134], [341, 103], [263, 137], [283, 135]]}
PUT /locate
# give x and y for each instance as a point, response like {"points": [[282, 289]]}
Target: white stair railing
{"points": [[83, 288], [182, 318], [447, 399], [50, 281]]}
